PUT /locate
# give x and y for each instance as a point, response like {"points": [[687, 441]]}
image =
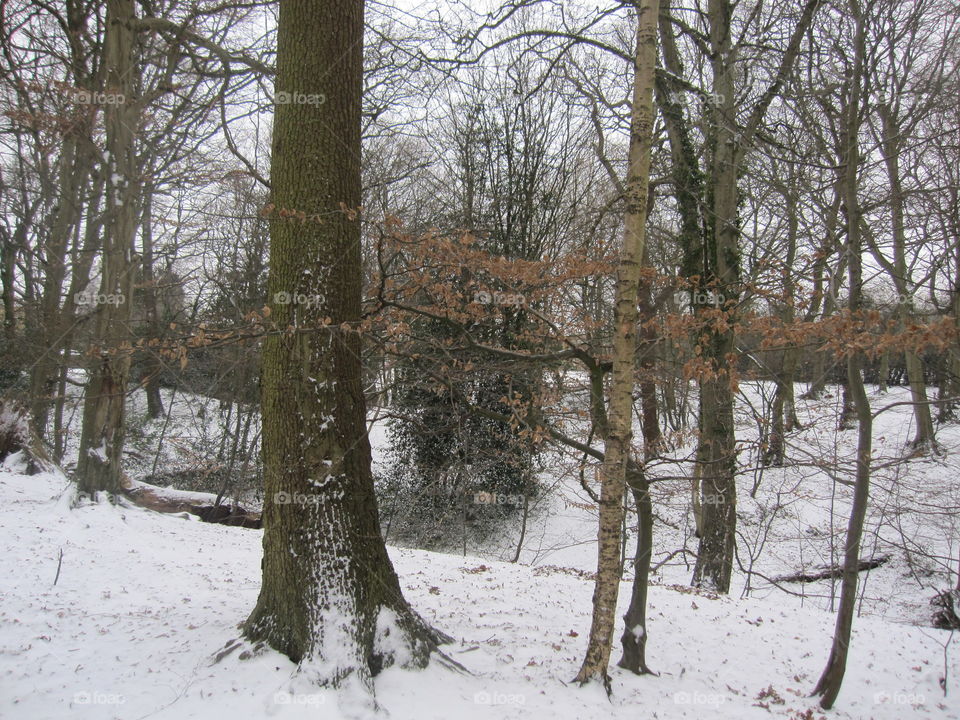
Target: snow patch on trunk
{"points": [[390, 641]]}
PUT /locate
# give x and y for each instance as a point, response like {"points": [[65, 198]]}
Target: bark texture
{"points": [[102, 433], [619, 432], [828, 686], [330, 598]]}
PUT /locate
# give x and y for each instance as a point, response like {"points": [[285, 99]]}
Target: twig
{"points": [[59, 564]]}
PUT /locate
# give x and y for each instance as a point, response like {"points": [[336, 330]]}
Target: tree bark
{"points": [[151, 382], [721, 275], [784, 411], [711, 259], [82, 261], [828, 686], [635, 634], [924, 437], [330, 596], [619, 430], [102, 434], [634, 638]]}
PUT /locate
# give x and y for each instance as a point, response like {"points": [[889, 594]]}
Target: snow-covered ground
{"points": [[144, 601]]}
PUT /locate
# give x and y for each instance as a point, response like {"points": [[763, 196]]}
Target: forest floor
{"points": [[126, 625]]}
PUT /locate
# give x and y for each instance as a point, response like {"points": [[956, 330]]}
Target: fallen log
{"points": [[166, 500], [16, 436], [828, 572]]}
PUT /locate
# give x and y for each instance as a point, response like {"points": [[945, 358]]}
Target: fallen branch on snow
{"points": [[172, 501], [833, 571]]}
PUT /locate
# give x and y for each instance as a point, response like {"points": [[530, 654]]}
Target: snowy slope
{"points": [[144, 601], [797, 518]]}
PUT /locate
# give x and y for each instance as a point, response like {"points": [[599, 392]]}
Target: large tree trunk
{"points": [[329, 594], [102, 434], [75, 165], [828, 686], [619, 426], [722, 275], [717, 473], [711, 257]]}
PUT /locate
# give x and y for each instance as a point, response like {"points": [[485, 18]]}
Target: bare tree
{"points": [[828, 686]]}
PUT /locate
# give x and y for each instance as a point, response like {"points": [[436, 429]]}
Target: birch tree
{"points": [[619, 427]]}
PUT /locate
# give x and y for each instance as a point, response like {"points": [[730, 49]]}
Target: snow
{"points": [[100, 452], [144, 601], [389, 639]]}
